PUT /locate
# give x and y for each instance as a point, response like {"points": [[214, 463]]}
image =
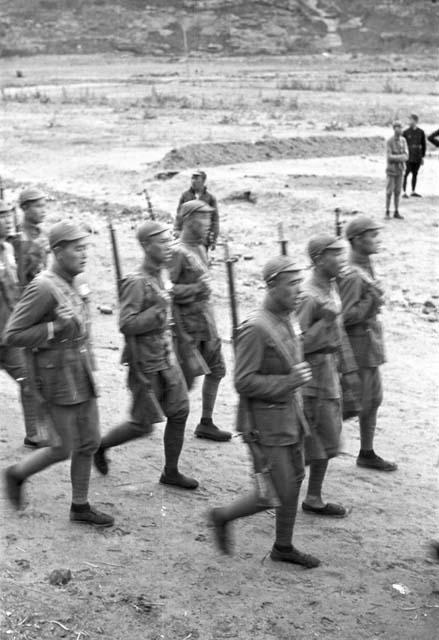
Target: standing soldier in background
{"points": [[193, 309], [397, 155], [51, 320], [321, 321], [149, 352], [198, 191], [417, 146], [269, 373], [12, 359], [362, 299], [34, 245]]}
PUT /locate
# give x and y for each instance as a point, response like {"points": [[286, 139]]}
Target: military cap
{"points": [[200, 173], [359, 225], [66, 231], [150, 228], [194, 206], [5, 207], [29, 195], [323, 242], [279, 264]]}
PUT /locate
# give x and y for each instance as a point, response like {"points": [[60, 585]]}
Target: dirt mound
{"points": [[214, 153]]}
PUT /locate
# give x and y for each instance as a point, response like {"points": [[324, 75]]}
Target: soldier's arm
{"points": [[396, 157], [434, 138], [358, 306], [133, 320], [317, 333], [27, 326], [423, 144], [183, 293], [248, 381]]}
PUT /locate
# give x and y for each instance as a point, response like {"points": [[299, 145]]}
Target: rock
{"points": [[107, 311], [165, 175], [60, 576], [429, 304], [248, 257]]}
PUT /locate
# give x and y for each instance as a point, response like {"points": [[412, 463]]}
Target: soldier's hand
{"points": [[204, 282], [65, 319], [329, 312], [300, 374]]}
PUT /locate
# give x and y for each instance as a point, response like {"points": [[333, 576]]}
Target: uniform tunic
{"points": [[192, 302], [145, 322], [323, 348], [360, 294]]}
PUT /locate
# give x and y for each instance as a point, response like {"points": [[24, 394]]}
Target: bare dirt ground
{"points": [[156, 574]]}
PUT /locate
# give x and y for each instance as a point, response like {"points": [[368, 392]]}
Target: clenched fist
{"points": [[300, 374]]}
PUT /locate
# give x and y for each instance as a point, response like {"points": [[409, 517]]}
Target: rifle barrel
{"points": [[232, 291], [116, 258]]}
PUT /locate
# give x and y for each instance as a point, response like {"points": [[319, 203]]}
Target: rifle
{"points": [[283, 242], [265, 488], [154, 411], [149, 204]]}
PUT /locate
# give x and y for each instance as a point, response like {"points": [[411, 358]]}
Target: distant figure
{"points": [[434, 138], [198, 191], [397, 156], [417, 145], [34, 244]]}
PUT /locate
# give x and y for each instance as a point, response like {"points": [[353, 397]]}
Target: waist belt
{"points": [[63, 345]]}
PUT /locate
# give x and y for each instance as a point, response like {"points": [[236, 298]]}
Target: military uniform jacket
{"points": [[144, 320], [322, 340], [359, 292], [34, 251], [9, 290], [207, 197], [62, 365], [192, 299], [397, 156], [262, 378], [416, 143]]}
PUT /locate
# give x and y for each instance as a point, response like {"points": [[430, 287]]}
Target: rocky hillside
{"points": [[226, 27]]}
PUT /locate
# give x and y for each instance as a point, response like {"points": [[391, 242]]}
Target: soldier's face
{"points": [[332, 262], [398, 131], [197, 183], [35, 211], [158, 248], [72, 256], [287, 290], [369, 242], [199, 225]]}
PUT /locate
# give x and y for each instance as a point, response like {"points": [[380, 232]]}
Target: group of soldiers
{"points": [[304, 361]]}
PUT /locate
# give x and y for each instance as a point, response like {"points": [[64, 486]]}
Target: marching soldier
{"points": [[145, 323], [269, 374], [12, 359], [193, 309], [51, 321], [198, 191], [34, 244], [323, 336], [362, 299]]}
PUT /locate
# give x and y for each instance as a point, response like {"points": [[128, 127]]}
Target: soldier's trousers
{"points": [[371, 399], [12, 360], [287, 471], [171, 392], [76, 433]]}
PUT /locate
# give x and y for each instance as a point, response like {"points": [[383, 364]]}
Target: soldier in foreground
{"points": [[362, 299], [269, 374], [34, 244], [51, 320], [321, 321], [193, 309], [12, 359], [198, 191], [145, 322]]}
